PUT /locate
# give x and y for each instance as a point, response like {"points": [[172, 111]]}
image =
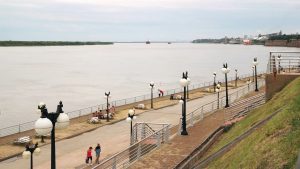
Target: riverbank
{"points": [[50, 43], [283, 43]]}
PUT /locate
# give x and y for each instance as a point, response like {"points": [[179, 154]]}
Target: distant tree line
{"points": [[50, 43], [285, 37], [208, 40]]}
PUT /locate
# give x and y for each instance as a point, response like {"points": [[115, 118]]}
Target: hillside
{"points": [[274, 145]]}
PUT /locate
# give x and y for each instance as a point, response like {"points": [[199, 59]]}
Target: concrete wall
{"points": [[291, 43], [274, 83]]}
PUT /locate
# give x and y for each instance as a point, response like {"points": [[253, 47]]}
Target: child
{"points": [[89, 156]]}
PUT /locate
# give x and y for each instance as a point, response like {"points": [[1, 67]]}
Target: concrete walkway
{"points": [[70, 153]]}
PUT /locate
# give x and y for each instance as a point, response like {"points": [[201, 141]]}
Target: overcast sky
{"points": [[140, 20]]}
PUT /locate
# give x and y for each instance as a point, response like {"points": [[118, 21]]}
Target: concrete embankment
{"points": [[285, 43]]}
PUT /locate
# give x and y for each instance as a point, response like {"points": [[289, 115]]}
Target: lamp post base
{"points": [[226, 105], [256, 90], [184, 132]]}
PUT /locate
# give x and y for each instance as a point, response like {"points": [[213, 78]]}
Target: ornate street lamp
{"points": [[218, 91], [31, 149], [279, 58], [130, 118], [107, 95], [214, 75], [151, 86], [48, 122], [248, 83], [226, 70], [253, 74], [255, 63], [184, 83], [236, 77]]}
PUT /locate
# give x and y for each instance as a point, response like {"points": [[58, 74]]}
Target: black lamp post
{"points": [[29, 151], [255, 63], [107, 106], [151, 86], [47, 123], [218, 94], [130, 118], [226, 70], [215, 74], [279, 58], [253, 75], [184, 83], [236, 77]]}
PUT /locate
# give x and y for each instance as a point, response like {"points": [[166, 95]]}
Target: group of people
{"points": [[89, 155], [103, 114]]}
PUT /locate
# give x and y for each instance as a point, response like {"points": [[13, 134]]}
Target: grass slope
{"points": [[275, 145]]}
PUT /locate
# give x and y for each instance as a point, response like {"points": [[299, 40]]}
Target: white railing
{"points": [[209, 108], [131, 154]]}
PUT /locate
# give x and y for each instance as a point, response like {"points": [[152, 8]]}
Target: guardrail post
{"points": [[138, 151], [167, 134], [192, 119], [143, 132], [158, 139], [114, 166], [179, 126]]}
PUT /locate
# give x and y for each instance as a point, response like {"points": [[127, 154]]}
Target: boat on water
{"points": [[169, 43], [147, 42]]}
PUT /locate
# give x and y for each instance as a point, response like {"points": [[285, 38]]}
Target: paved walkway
{"points": [[70, 153]]}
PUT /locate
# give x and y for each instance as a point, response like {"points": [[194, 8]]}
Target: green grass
{"points": [[275, 145]]}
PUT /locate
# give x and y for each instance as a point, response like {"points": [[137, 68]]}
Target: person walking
{"points": [[89, 156], [97, 151]]}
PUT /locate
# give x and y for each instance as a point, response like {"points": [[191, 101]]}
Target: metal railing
{"points": [[209, 108], [131, 154], [89, 110], [284, 62]]}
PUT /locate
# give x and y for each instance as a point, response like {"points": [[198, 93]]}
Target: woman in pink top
{"points": [[89, 156]]}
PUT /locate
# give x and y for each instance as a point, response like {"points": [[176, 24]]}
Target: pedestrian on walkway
{"points": [[97, 151], [89, 156]]}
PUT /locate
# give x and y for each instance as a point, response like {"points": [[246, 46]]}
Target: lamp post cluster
{"points": [[48, 122], [226, 70], [184, 82], [130, 118], [29, 151], [255, 63], [151, 86]]}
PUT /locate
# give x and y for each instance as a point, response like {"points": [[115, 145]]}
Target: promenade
{"points": [[70, 153]]}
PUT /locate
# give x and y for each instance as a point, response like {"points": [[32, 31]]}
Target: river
{"points": [[79, 75]]}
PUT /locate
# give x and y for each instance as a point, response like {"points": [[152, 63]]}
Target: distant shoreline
{"points": [[50, 43]]}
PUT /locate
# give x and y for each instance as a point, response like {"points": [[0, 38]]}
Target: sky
{"points": [[141, 20]]}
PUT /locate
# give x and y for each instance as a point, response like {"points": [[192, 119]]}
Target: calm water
{"points": [[79, 75]]}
